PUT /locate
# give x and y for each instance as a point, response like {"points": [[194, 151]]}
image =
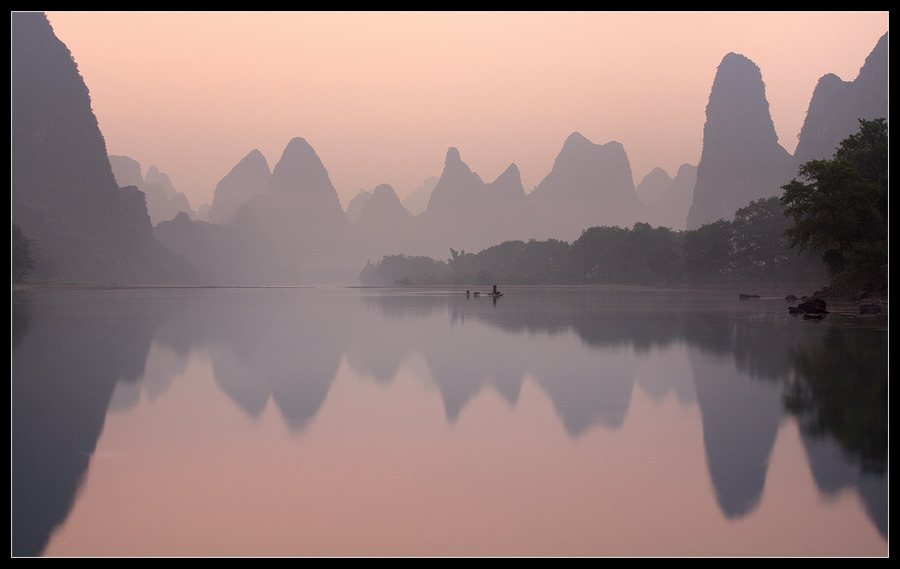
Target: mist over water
{"points": [[225, 402], [334, 421]]}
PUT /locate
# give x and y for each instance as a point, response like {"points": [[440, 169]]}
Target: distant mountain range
{"points": [[741, 159], [93, 217], [163, 200]]}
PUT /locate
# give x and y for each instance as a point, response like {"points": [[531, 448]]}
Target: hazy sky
{"points": [[381, 96]]}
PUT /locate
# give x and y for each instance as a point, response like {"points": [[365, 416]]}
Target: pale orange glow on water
{"points": [[381, 472], [382, 96]]}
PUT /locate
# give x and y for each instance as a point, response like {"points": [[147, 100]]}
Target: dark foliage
{"points": [[752, 248], [840, 210]]}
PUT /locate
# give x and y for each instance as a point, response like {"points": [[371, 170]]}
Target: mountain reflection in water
{"points": [[725, 377]]}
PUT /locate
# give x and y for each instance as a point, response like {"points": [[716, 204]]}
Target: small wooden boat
{"points": [[488, 294]]}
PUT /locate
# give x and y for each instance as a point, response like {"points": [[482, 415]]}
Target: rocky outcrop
{"points": [[293, 231], [465, 213], [65, 198], [247, 179], [383, 225], [810, 308], [741, 160], [301, 174], [383, 210], [164, 202], [836, 107], [507, 188], [417, 201], [589, 185], [355, 206], [299, 199], [457, 187], [127, 171], [667, 200]]}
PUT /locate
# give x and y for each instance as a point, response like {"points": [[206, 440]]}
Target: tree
{"points": [[400, 270], [596, 254], [761, 248], [840, 210], [758, 235], [708, 251]]}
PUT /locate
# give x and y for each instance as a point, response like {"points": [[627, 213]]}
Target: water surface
{"points": [[551, 421]]}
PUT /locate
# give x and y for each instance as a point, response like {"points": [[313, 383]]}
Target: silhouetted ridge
{"points": [[287, 226], [580, 161], [301, 172], [164, 202], [383, 225], [64, 195], [383, 209], [741, 159], [589, 185], [355, 205], [507, 186], [653, 186], [457, 185], [417, 201], [127, 171], [583, 169], [247, 179], [666, 200], [836, 107]]}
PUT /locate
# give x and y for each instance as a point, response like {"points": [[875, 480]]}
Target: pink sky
{"points": [[381, 96]]}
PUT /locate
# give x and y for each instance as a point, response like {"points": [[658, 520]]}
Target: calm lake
{"points": [[420, 422]]}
